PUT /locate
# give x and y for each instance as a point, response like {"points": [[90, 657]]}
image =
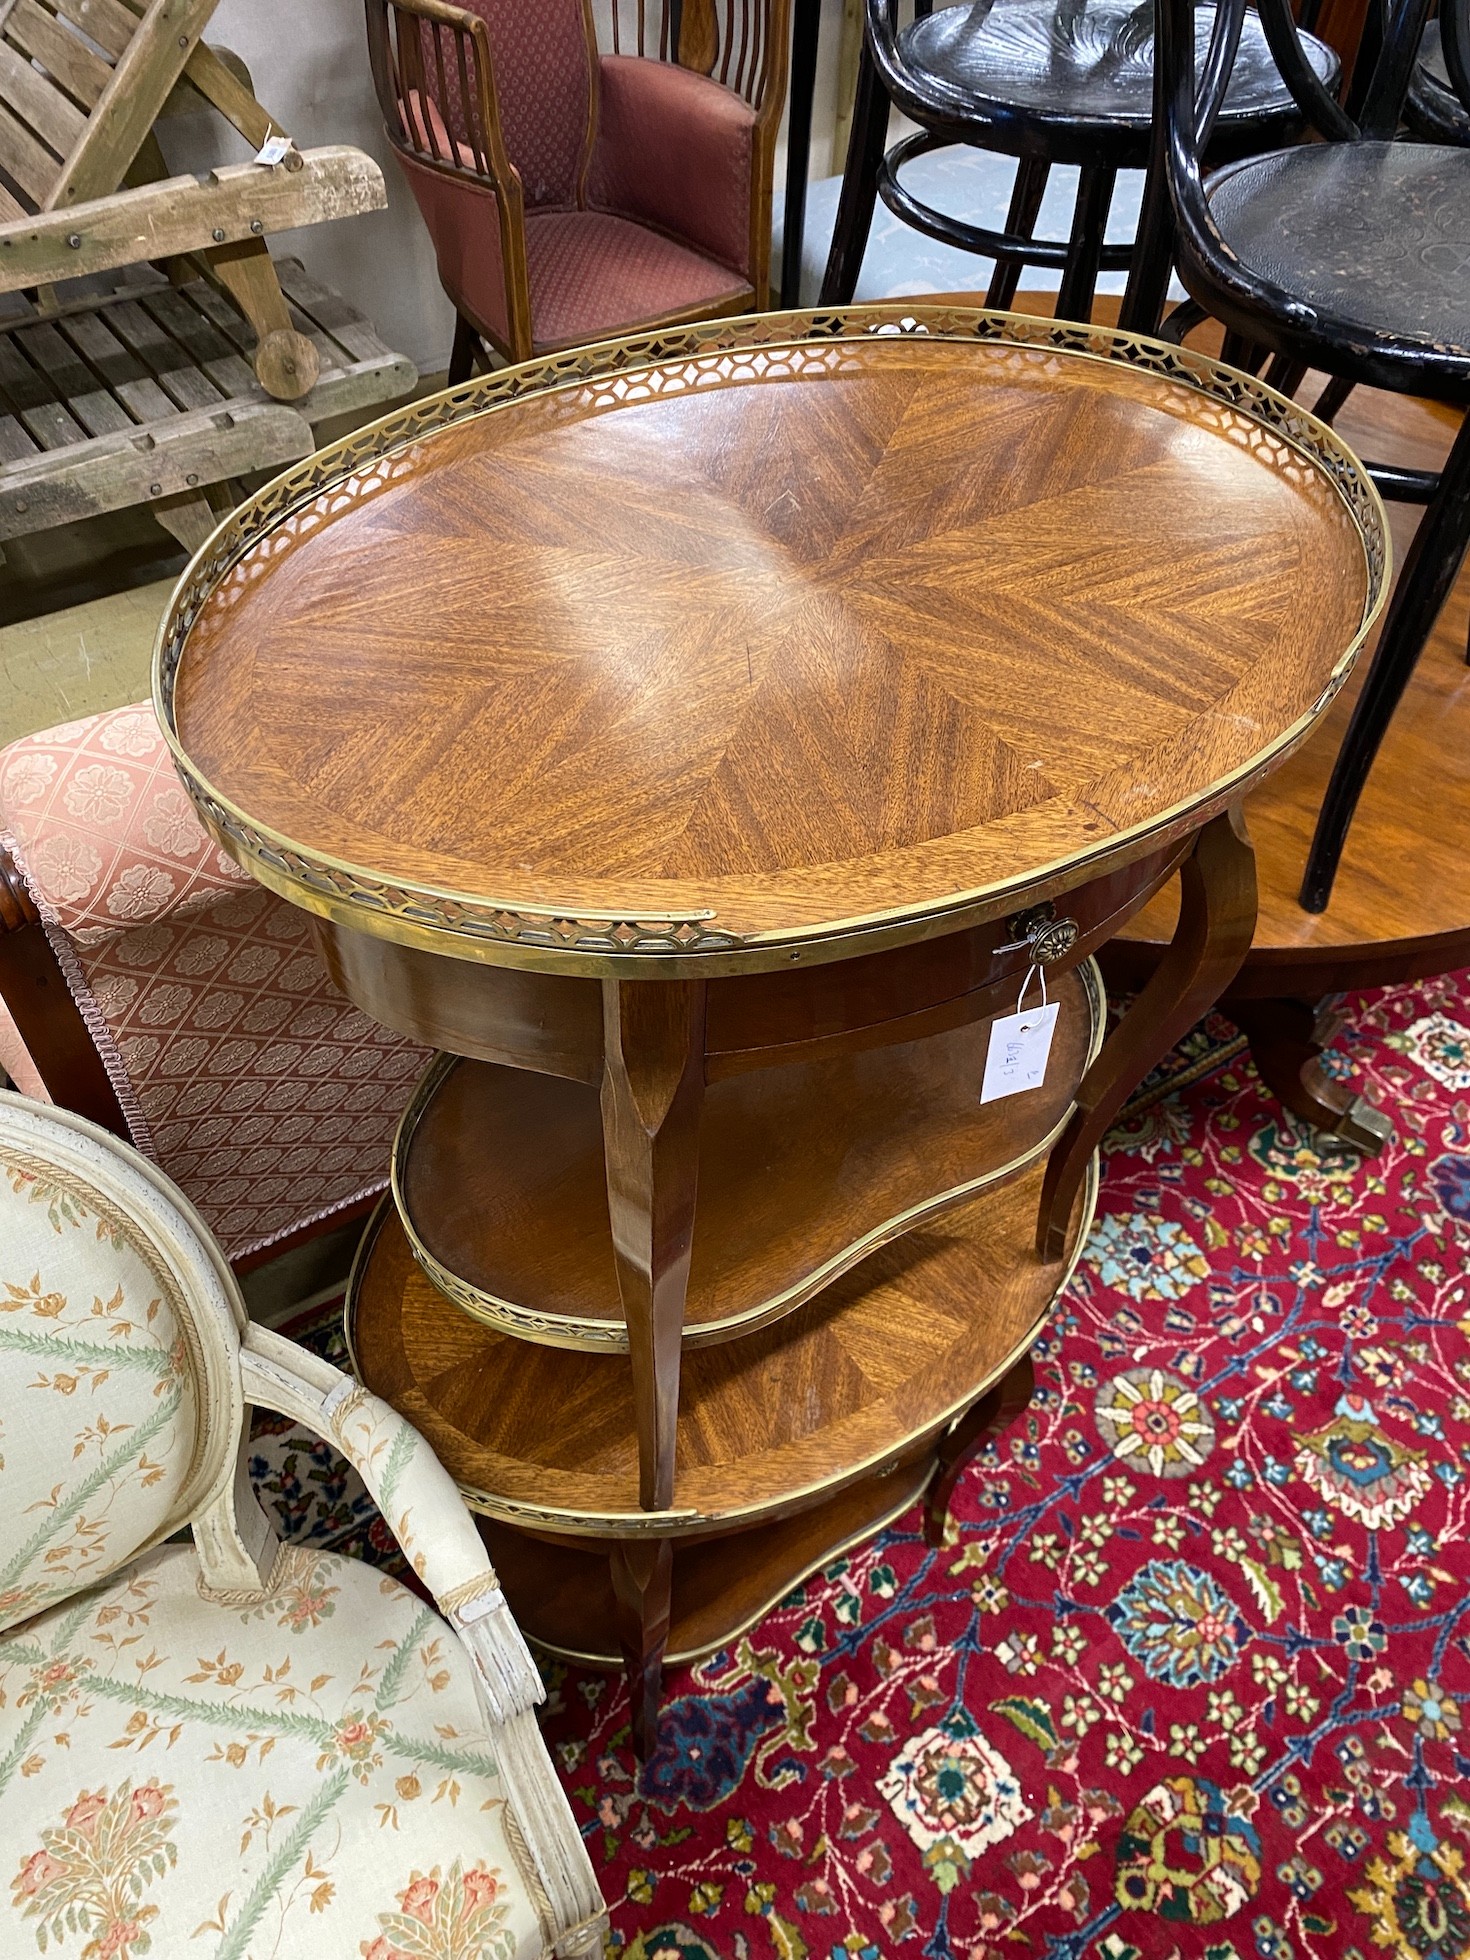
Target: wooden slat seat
{"points": [[168, 386], [146, 395]]}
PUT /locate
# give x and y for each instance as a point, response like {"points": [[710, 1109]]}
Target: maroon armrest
{"points": [[463, 219], [674, 150]]}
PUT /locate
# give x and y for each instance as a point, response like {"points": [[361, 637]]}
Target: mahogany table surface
{"points": [[786, 634]]}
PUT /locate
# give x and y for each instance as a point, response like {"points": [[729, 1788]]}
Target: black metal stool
{"points": [[1352, 256], [1048, 82]]}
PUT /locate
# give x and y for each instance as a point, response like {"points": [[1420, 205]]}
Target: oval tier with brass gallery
{"points": [[729, 748]]}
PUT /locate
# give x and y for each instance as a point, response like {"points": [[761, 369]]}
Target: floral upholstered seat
{"points": [[235, 1062], [234, 1749]]}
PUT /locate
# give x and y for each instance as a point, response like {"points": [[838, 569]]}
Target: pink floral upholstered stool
{"points": [[148, 983]]}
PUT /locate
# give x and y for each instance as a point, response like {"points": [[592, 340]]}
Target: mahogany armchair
{"points": [[570, 195]]}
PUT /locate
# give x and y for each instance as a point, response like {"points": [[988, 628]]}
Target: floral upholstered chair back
{"points": [[235, 1747], [119, 1383]]}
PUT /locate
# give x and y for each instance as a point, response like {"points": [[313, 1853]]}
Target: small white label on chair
{"points": [[273, 150], [1019, 1046]]}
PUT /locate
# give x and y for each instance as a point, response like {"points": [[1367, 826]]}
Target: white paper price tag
{"points": [[1019, 1046], [275, 149]]}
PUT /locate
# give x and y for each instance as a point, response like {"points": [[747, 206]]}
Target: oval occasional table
{"points": [[705, 742]]}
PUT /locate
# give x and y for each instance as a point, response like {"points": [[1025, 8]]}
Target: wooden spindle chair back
{"points": [[729, 40]]}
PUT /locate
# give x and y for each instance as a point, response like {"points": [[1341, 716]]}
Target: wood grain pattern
{"points": [[866, 627], [652, 1096], [882, 1359], [794, 1013], [562, 1595], [801, 1170], [1401, 904]]}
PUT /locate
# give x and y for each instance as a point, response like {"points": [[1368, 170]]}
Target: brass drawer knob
{"points": [[1042, 934]]}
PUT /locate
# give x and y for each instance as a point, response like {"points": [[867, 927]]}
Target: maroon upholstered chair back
{"points": [[542, 52]]}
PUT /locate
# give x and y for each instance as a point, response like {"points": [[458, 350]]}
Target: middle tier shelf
{"points": [[804, 1169]]}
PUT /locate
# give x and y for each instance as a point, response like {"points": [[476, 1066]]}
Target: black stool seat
{"points": [[1084, 69], [1375, 235]]}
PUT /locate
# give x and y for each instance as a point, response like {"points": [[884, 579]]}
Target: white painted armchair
{"points": [[235, 1748]]}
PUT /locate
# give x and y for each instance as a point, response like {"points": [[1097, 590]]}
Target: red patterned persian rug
{"points": [[1193, 1677]]}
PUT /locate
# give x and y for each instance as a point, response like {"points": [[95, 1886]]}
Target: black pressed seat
{"points": [[1047, 82], [1374, 234], [1076, 66], [1351, 256]]}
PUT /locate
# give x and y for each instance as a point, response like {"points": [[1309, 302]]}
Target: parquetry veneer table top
{"points": [[771, 638]]}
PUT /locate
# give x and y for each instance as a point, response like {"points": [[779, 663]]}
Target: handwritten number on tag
{"points": [[1019, 1046]]}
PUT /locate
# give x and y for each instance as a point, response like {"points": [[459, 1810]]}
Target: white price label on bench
{"points": [[274, 150], [1019, 1047]]}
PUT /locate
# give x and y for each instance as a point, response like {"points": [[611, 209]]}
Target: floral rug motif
{"points": [[1192, 1681]]}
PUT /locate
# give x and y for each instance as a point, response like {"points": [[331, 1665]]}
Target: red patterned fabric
{"points": [[238, 1065], [593, 275], [674, 150], [543, 91], [463, 219], [426, 129]]}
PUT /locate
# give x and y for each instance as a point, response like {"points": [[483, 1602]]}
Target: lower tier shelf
{"points": [[845, 1388], [562, 1595], [804, 1169]]}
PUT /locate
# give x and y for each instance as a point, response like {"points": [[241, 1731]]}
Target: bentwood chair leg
{"points": [[865, 147], [1284, 375], [1238, 352], [1329, 403], [1026, 195], [1084, 248], [467, 349], [805, 29], [1430, 569]]}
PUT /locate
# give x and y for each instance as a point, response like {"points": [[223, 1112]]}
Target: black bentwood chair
{"points": [[1353, 256], [1434, 108], [1048, 82]]}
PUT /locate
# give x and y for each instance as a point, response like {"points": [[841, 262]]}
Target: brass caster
{"points": [[1365, 1126]]}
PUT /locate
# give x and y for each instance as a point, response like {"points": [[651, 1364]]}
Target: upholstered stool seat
{"points": [[141, 963], [235, 1748]]}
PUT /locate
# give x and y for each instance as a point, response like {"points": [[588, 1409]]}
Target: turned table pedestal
{"points": [[714, 745]]}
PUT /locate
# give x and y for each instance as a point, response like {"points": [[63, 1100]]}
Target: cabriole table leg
{"points": [[1217, 916]]}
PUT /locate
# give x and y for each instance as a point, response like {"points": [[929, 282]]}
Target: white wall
{"points": [[308, 59]]}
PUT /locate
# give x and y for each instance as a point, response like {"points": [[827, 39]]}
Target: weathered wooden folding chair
{"points": [[162, 389]]}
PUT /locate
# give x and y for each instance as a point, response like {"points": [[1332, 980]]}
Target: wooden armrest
{"points": [[231, 205]]}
